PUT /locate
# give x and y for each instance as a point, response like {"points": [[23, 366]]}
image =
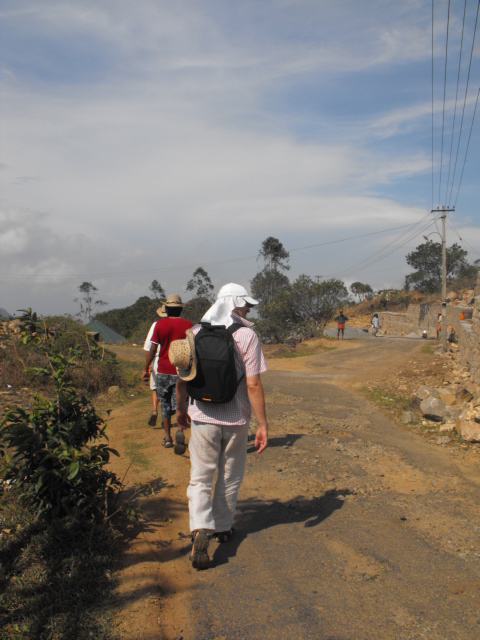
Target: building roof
{"points": [[106, 334]]}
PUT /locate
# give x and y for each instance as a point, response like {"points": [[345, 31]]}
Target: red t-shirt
{"points": [[166, 330]]}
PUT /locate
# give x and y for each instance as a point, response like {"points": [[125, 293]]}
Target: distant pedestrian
{"points": [[375, 324], [173, 327], [341, 319], [439, 324], [152, 420]]}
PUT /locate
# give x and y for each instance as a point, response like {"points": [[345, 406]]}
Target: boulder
{"points": [[468, 430], [407, 417], [446, 397], [433, 409], [423, 392], [113, 389], [452, 414]]}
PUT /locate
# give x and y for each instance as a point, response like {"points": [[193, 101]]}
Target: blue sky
{"points": [[141, 140]]}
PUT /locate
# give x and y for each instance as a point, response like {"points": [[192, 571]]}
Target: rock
{"points": [[452, 414], [433, 409], [452, 295], [447, 428], [113, 389], [408, 416], [446, 397], [468, 430], [442, 440], [423, 392]]}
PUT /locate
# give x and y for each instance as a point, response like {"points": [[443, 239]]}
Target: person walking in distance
{"points": [[341, 319], [219, 432], [152, 420], [173, 327], [375, 324]]}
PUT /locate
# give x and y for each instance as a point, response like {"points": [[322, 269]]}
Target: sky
{"points": [[141, 140]]}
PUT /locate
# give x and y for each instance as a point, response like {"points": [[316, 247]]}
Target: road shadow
{"points": [[288, 440], [255, 515]]}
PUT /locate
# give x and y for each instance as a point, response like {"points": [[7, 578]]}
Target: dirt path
{"points": [[348, 526]]}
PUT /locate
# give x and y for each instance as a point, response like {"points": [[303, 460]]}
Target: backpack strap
{"points": [[231, 329]]}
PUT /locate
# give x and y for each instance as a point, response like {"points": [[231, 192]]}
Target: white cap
{"points": [[235, 290]]}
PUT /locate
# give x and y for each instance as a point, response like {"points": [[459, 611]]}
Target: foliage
{"points": [[274, 254], [99, 368], [157, 290], [427, 260], [303, 308], [127, 321], [195, 308], [88, 302], [268, 283], [50, 451], [55, 577], [361, 290], [200, 283]]}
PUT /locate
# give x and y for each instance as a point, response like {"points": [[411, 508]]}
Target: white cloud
{"points": [[140, 138]]}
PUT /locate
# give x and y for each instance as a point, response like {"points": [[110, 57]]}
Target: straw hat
{"points": [[182, 355], [174, 300], [161, 311]]}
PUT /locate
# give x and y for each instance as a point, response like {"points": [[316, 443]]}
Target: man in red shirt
{"points": [[173, 327]]}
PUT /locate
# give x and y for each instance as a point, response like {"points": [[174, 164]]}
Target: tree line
{"points": [[300, 307]]}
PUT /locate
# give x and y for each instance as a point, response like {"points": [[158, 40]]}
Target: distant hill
{"points": [[127, 321], [5, 314]]}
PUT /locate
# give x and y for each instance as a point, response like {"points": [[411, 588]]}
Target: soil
{"points": [[350, 525]]}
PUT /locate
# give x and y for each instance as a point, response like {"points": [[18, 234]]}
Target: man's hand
{"points": [[145, 375], [182, 419], [261, 438]]}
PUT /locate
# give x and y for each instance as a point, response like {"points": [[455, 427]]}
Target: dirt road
{"points": [[349, 526]]}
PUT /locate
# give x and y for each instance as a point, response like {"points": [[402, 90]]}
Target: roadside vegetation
{"points": [[59, 503]]}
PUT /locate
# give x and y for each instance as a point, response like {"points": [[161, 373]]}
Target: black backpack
{"points": [[216, 380]]}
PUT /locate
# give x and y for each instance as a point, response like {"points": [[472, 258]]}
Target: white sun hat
{"points": [[229, 297]]}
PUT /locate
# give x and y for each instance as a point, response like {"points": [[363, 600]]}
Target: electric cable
{"points": [[456, 100], [468, 145], [203, 264], [464, 105], [444, 98]]}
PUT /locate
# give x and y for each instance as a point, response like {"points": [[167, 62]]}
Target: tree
{"points": [[268, 282], [427, 260], [274, 254], [88, 302], [157, 289], [317, 302], [200, 281], [361, 290]]}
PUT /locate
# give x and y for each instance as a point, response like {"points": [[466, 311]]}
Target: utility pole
{"points": [[444, 211]]}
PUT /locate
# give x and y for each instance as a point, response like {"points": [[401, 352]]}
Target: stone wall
{"points": [[422, 317]]}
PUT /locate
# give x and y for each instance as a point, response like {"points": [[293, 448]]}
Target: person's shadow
{"points": [[255, 515]]}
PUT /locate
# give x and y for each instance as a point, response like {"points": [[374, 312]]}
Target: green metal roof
{"points": [[106, 334]]}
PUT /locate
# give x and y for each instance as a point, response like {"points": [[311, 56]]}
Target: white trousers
{"points": [[221, 448]]}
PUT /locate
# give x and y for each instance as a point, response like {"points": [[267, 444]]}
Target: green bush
{"points": [[50, 451]]}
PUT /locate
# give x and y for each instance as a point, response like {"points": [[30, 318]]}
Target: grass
{"points": [[429, 347], [392, 402], [135, 455], [55, 578]]}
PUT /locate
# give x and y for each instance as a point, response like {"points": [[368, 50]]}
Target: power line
{"points": [[444, 97], [456, 99], [204, 264], [464, 105]]}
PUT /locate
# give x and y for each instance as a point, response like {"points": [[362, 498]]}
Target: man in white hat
{"points": [[173, 327], [152, 420], [219, 432]]}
